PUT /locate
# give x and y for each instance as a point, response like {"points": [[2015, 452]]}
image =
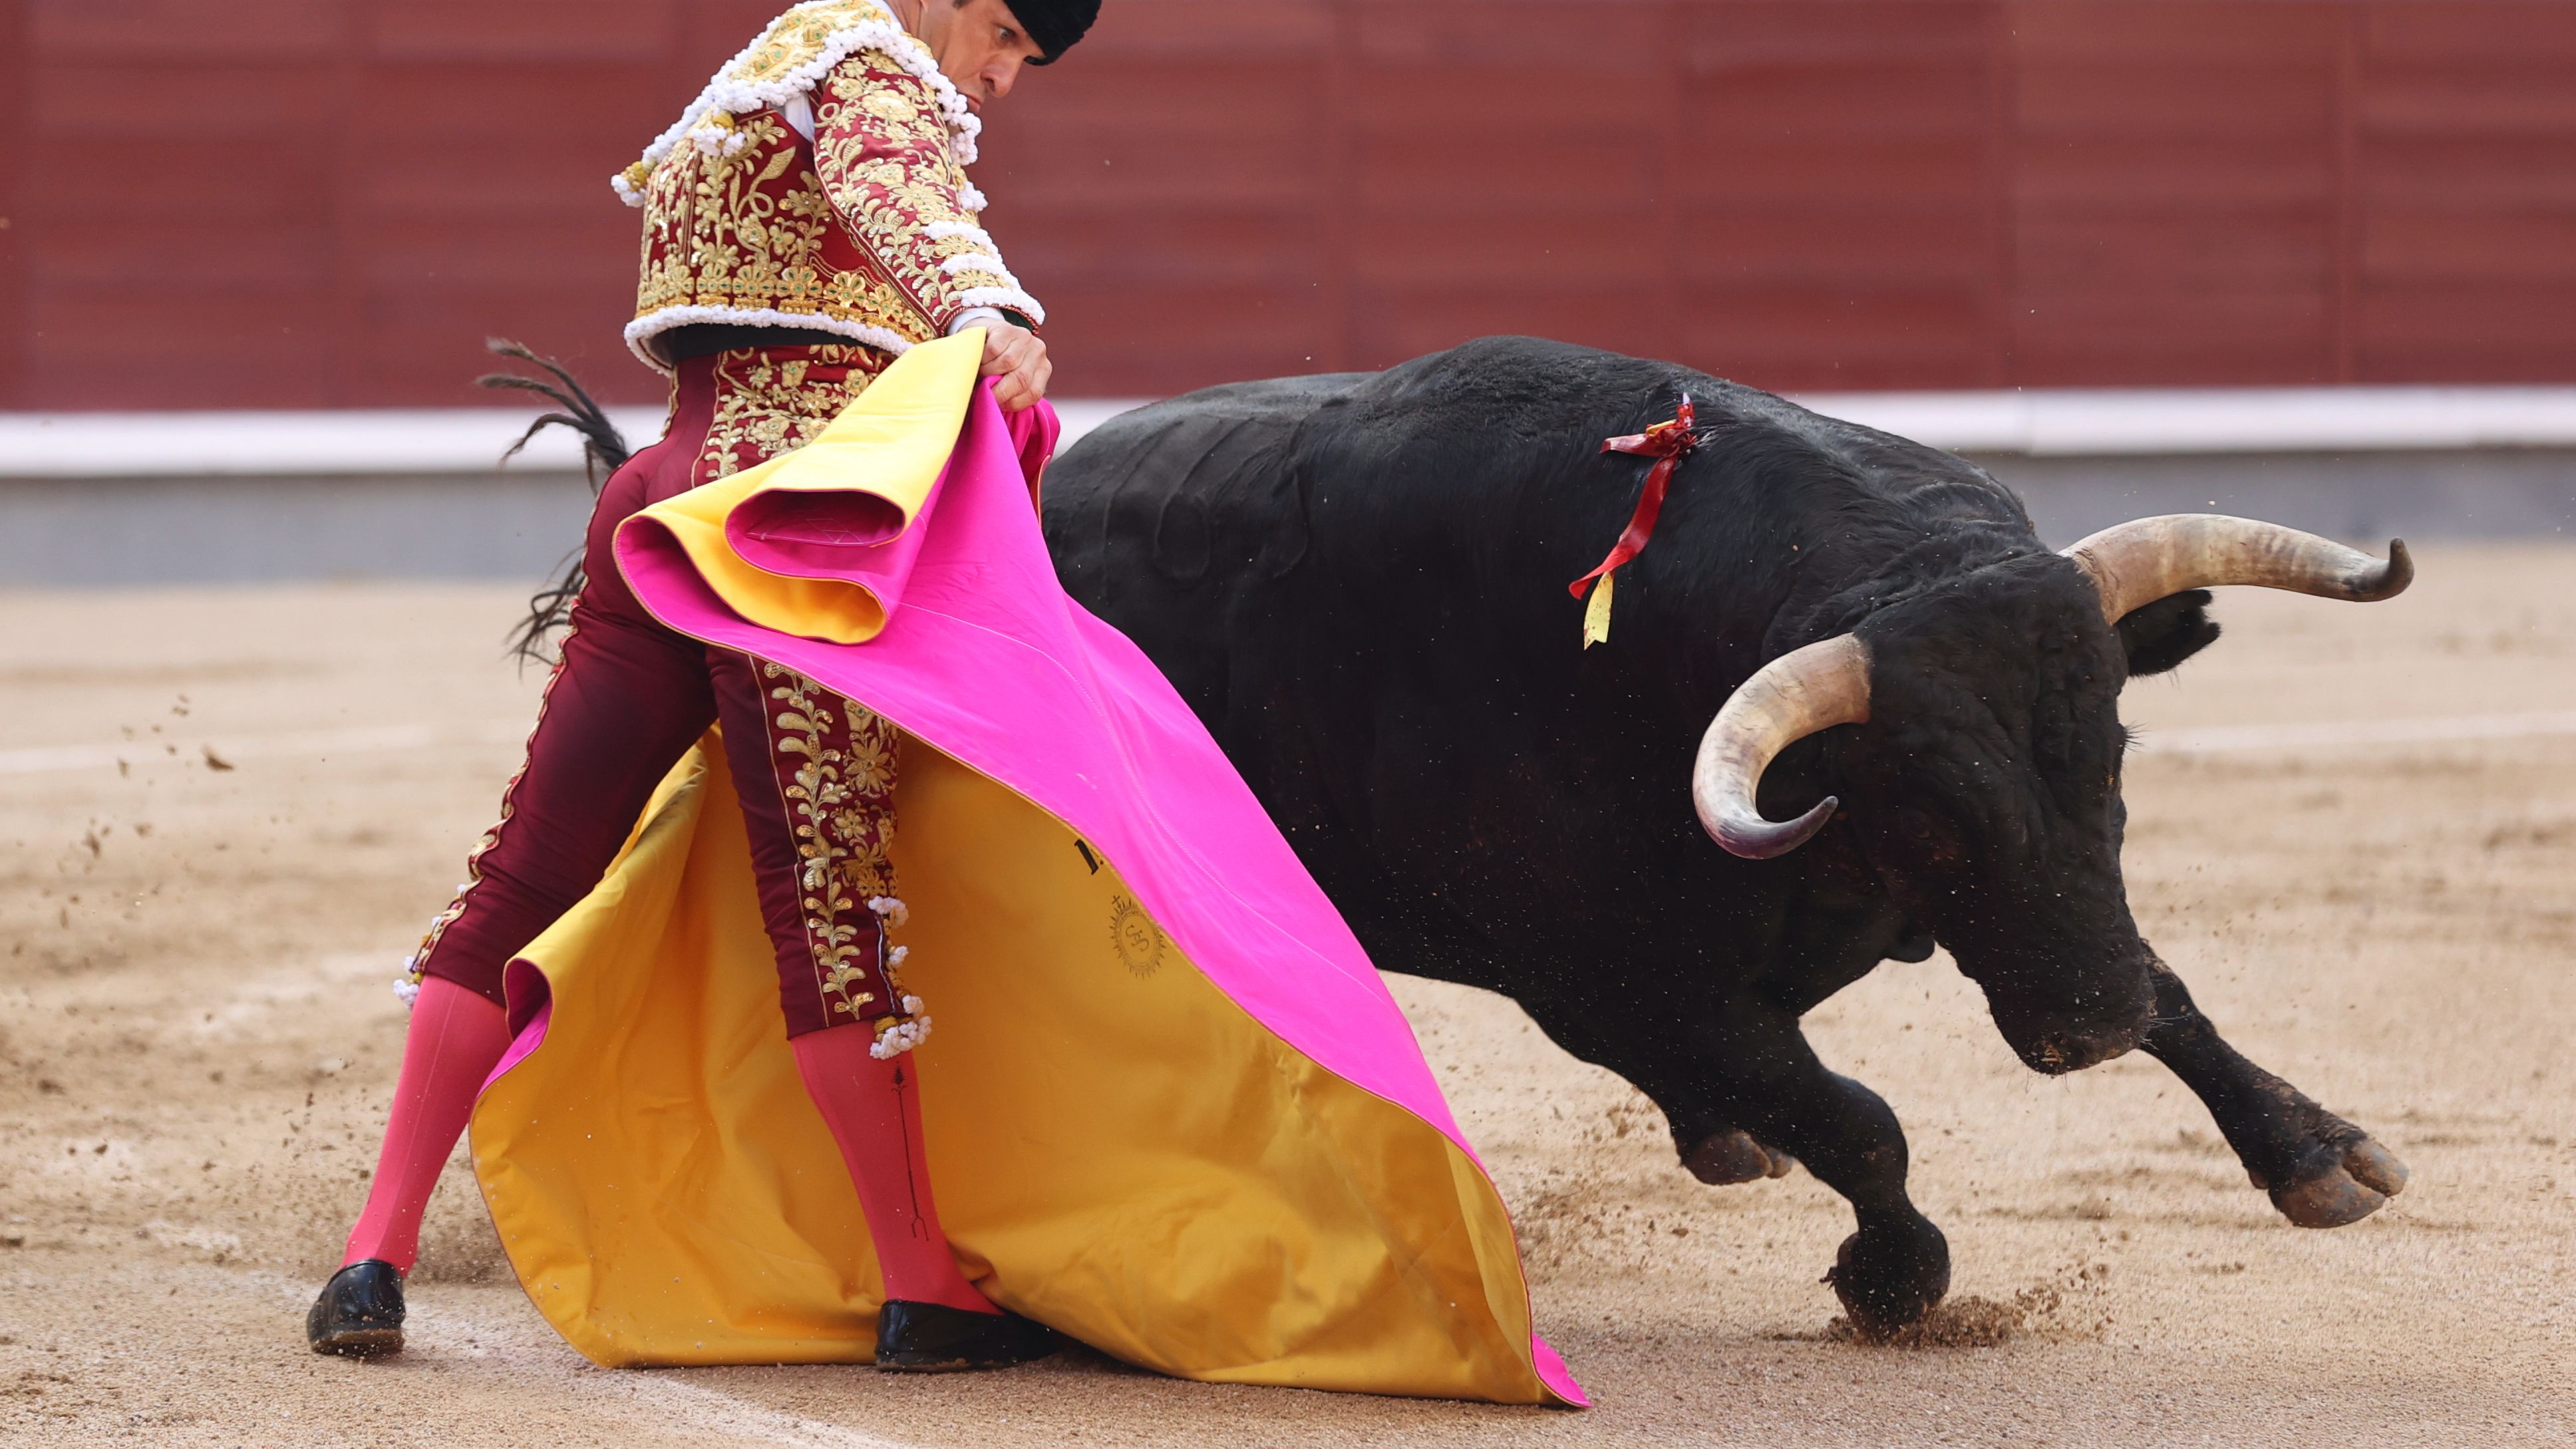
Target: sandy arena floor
{"points": [[196, 1042]]}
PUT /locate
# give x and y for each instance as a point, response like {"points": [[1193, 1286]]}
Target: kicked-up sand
{"points": [[225, 815]]}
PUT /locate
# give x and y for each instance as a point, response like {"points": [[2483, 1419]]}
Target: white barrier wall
{"points": [[123, 499]]}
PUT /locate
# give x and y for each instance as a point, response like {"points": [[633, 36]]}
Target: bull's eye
{"points": [[1919, 826], [1928, 836]]}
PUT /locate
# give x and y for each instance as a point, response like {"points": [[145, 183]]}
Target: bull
{"points": [[1895, 708]]}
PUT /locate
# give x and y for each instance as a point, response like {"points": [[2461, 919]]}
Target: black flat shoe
{"points": [[933, 1338], [360, 1312]]}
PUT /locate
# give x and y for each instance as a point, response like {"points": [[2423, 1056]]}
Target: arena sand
{"points": [[196, 1041]]}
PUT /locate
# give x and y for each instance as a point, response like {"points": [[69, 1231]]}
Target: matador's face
{"points": [[980, 46]]}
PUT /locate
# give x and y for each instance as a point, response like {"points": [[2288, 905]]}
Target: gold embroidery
{"points": [[889, 172], [840, 800], [739, 226], [748, 231], [798, 37], [872, 759], [770, 401]]}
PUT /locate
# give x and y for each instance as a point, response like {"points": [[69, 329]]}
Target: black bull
{"points": [[1359, 582]]}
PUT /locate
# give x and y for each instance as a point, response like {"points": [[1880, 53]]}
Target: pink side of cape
{"points": [[988, 660]]}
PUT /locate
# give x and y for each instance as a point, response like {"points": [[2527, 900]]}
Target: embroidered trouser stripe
{"points": [[815, 775]]}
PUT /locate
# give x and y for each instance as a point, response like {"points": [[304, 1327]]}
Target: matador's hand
{"points": [[1017, 360]]}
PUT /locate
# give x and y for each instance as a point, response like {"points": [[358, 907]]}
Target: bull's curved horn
{"points": [[2136, 563], [1793, 696]]}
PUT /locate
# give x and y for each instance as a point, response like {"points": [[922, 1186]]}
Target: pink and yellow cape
{"points": [[1172, 1110]]}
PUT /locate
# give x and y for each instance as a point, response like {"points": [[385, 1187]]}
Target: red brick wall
{"points": [[295, 203]]}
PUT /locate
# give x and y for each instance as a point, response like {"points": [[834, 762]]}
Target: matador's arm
{"points": [[881, 149]]}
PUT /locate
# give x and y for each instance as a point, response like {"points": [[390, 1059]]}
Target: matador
{"points": [[806, 219], [684, 999]]}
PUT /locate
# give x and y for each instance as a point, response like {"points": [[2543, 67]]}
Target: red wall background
{"points": [[300, 203]]}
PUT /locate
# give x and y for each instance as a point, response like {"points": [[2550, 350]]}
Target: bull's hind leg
{"points": [[1745, 1068], [1896, 1265], [1722, 1155], [2321, 1171]]}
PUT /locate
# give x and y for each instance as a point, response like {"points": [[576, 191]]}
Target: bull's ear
{"points": [[2163, 634]]}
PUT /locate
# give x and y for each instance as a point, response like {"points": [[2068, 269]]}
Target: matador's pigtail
{"points": [[603, 450]]}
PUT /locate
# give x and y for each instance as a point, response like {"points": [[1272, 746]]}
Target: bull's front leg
{"points": [[2321, 1171]]}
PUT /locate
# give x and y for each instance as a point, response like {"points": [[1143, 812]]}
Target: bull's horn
{"points": [[1793, 696], [2134, 564]]}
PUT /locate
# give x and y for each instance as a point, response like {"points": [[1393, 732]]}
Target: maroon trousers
{"points": [[815, 772], [816, 775]]}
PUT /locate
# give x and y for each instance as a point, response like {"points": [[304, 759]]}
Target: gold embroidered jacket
{"points": [[819, 181]]}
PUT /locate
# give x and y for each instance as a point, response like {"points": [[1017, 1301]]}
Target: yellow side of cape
{"points": [[1117, 1149], [892, 444]]}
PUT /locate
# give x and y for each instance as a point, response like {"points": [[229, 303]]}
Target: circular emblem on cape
{"points": [[1138, 940]]}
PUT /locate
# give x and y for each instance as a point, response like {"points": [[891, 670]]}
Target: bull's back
{"points": [[1167, 520], [1358, 583]]}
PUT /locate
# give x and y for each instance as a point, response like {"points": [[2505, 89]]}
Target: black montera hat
{"points": [[1054, 24]]}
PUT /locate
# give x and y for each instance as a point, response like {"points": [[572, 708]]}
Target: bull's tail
{"points": [[603, 450]]}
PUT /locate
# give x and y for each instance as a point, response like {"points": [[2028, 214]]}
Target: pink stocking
{"points": [[456, 1038], [874, 1111]]}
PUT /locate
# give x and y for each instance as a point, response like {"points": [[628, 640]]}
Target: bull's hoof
{"points": [[2347, 1191], [1732, 1156], [1889, 1275]]}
